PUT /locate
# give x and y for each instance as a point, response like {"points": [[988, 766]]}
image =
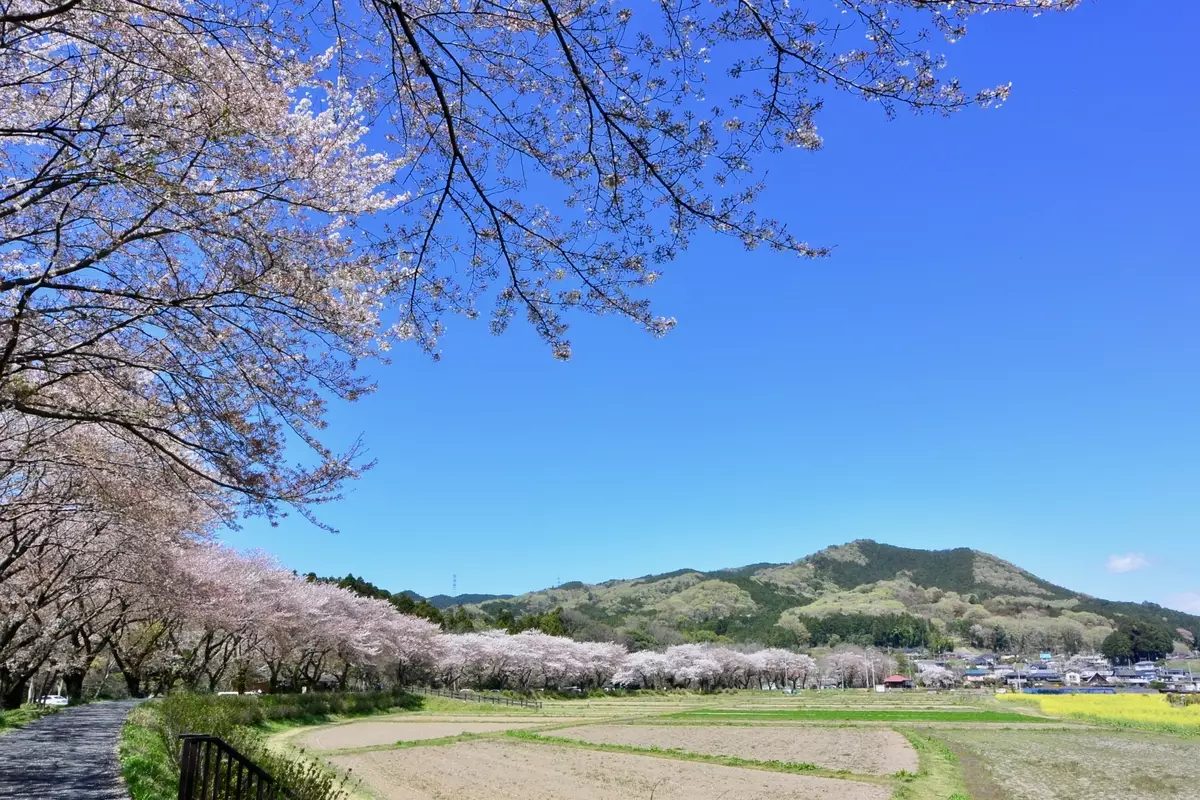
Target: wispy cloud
{"points": [[1185, 601], [1126, 563]]}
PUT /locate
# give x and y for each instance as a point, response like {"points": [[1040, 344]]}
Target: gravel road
{"points": [[71, 755]]}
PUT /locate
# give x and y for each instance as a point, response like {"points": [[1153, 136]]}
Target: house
{"points": [[1095, 679], [978, 676], [1146, 669], [897, 682], [1034, 676], [1128, 676], [1087, 664], [1072, 678]]}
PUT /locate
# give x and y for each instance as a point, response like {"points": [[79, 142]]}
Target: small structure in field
{"points": [[897, 682]]}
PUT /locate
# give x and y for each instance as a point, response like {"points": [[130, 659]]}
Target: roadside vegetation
{"points": [[22, 716], [149, 746]]}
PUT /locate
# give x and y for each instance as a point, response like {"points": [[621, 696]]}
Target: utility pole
{"points": [[454, 584]]}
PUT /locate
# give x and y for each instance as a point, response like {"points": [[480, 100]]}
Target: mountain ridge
{"points": [[859, 591]]}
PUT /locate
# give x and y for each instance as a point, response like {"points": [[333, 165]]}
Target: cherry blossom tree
{"points": [[776, 668], [852, 667], [411, 646], [643, 669], [935, 677], [178, 261], [85, 525], [600, 662], [198, 248]]}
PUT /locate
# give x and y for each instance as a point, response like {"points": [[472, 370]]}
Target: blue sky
{"points": [[1001, 354]]}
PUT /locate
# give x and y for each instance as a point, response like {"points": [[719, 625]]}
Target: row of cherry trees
{"points": [[197, 616]]}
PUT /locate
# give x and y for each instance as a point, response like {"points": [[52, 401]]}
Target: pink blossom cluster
{"points": [[523, 661], [705, 667]]}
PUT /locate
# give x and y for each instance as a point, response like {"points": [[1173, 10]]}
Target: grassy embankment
{"points": [[149, 743]]}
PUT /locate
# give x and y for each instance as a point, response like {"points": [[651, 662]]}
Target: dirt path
{"points": [[71, 755]]}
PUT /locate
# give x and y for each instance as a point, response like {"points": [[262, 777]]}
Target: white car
{"points": [[53, 700]]}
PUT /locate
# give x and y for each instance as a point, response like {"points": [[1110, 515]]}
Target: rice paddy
{"points": [[769, 746]]}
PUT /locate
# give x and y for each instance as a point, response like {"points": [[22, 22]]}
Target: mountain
{"points": [[406, 600], [864, 591], [444, 601]]}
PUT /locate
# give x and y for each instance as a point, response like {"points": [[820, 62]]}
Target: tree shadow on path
{"points": [[71, 755]]}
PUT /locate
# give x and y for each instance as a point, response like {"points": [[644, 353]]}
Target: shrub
{"points": [[146, 763], [150, 745]]}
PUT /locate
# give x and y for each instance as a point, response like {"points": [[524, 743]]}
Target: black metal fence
{"points": [[209, 769], [475, 697]]}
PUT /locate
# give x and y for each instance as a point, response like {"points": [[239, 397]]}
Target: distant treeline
{"points": [[453, 620]]}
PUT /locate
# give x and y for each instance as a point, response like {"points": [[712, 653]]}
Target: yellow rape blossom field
{"points": [[1144, 711]]}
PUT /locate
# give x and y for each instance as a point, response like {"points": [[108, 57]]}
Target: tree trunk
{"points": [[14, 695], [73, 684]]}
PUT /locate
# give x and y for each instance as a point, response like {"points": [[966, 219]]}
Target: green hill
{"points": [[444, 601], [863, 592]]}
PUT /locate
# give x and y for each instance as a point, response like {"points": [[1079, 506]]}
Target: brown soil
{"points": [[369, 734], [506, 770], [872, 751]]}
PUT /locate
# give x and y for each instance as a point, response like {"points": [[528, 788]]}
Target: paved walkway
{"points": [[71, 755]]}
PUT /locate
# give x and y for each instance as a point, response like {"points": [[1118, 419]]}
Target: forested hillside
{"points": [[862, 592]]}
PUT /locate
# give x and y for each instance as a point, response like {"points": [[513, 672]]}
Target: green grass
{"points": [[20, 717], [938, 776], [858, 715], [145, 761]]}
